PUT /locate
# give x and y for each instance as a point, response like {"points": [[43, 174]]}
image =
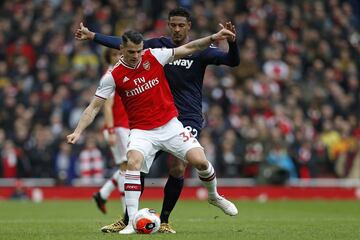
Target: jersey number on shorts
{"points": [[191, 132], [186, 136]]}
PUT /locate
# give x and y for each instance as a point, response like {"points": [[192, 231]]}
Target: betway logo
{"points": [[182, 62], [140, 88]]}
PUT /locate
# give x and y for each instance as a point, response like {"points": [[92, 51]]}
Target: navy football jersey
{"points": [[185, 76]]}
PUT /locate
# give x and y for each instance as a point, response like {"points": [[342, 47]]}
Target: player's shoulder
{"points": [[159, 42], [159, 50], [115, 68]]}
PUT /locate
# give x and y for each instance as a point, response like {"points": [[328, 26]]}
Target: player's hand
{"points": [[222, 34], [231, 27], [83, 33], [112, 139], [72, 138]]}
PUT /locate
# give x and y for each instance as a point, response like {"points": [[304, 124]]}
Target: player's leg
{"points": [[132, 187], [172, 191], [141, 152], [117, 180], [102, 195], [121, 223], [142, 180], [121, 180], [206, 172], [121, 159], [183, 145]]}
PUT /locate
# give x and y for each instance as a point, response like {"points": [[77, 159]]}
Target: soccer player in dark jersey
{"points": [[185, 78]]}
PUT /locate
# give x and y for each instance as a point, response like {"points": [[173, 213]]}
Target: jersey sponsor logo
{"points": [[141, 86], [126, 79], [182, 62], [146, 65], [132, 187], [140, 80]]}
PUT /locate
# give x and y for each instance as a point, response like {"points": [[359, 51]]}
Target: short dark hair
{"points": [[179, 12], [132, 36]]}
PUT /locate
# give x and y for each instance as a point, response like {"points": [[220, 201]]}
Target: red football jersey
{"points": [[120, 118], [119, 114], [144, 89]]}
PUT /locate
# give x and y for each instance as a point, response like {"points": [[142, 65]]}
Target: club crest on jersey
{"points": [[126, 79], [146, 65]]}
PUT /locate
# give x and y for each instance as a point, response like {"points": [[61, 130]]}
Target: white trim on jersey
{"points": [[127, 65], [106, 86], [163, 55]]}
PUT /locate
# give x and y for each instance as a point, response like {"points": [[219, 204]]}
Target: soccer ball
{"points": [[146, 221]]}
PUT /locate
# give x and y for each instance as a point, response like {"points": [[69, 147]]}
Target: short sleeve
{"points": [[163, 55], [106, 86]]}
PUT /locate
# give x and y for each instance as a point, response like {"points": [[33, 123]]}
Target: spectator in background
{"points": [[229, 154], [10, 159], [253, 153], [39, 152], [312, 46], [91, 163], [279, 157], [65, 161]]}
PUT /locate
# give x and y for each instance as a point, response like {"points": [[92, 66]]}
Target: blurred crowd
{"points": [[291, 109]]}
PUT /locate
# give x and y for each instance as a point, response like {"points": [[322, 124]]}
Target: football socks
{"points": [[208, 178]]}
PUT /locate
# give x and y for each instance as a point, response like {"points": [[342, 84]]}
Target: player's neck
{"points": [[180, 43], [128, 63]]}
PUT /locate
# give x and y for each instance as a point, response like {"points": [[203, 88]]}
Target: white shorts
{"points": [[171, 137], [119, 149]]}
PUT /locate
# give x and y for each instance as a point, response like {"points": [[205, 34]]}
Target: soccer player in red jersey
{"points": [[185, 77], [139, 79], [116, 133]]}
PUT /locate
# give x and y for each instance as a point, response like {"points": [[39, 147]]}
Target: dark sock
{"points": [[172, 193], [126, 218], [142, 180]]}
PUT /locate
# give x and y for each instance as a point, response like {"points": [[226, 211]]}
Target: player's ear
{"points": [[189, 24]]}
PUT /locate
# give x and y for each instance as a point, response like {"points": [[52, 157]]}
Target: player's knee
{"points": [[196, 157], [134, 165], [135, 159]]}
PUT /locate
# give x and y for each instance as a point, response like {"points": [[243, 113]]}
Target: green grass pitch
{"points": [[288, 220]]}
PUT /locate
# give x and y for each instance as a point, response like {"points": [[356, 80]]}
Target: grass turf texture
{"points": [[191, 219]]}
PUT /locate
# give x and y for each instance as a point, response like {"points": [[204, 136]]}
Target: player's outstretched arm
{"points": [[83, 33], [109, 120], [202, 43], [87, 117]]}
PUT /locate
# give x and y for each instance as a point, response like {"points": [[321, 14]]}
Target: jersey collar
{"points": [[128, 66]]}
